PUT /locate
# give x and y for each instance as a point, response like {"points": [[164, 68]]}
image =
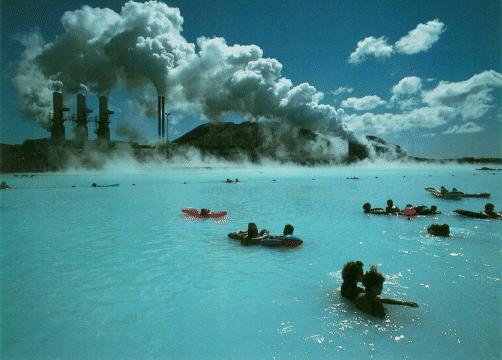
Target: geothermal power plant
{"points": [[81, 119]]}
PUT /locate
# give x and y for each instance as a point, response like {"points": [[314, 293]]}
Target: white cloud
{"points": [[472, 97], [342, 90], [421, 38], [467, 128], [417, 40], [365, 103], [405, 94], [426, 117], [370, 46], [407, 85]]}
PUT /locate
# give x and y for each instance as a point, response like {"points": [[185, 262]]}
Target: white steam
{"points": [[142, 46]]}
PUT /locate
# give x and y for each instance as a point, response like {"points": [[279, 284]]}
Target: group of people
{"points": [[230, 181], [391, 209], [252, 235], [366, 299]]}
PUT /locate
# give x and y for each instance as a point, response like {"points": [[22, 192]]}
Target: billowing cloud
{"points": [[426, 118], [406, 93], [466, 128], [342, 90], [421, 38], [370, 46], [142, 49], [408, 85], [417, 40], [472, 97], [365, 103]]}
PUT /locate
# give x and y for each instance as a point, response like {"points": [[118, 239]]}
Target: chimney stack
{"points": [[81, 131], [159, 115], [57, 123], [103, 130], [163, 119]]}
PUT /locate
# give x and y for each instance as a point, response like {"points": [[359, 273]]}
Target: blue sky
{"points": [[425, 75]]}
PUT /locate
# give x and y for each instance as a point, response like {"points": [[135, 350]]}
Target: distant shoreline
{"points": [[42, 155]]}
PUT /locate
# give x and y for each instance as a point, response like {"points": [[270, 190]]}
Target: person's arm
{"points": [[398, 302]]}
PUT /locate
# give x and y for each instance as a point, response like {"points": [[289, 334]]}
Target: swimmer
{"points": [[490, 211], [391, 209], [443, 190], [439, 230], [288, 230], [424, 210], [369, 301], [376, 211], [205, 212], [4, 186], [352, 273]]}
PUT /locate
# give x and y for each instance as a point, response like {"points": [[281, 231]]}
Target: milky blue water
{"points": [[118, 273]]}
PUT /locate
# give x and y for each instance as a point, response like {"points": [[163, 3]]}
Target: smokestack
{"points": [[103, 131], [57, 123], [81, 131], [159, 116], [163, 118]]}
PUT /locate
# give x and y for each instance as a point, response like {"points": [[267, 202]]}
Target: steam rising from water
{"points": [[142, 48]]}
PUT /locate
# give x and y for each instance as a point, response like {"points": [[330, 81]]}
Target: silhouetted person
{"points": [[205, 212], [4, 186], [288, 230], [376, 211], [391, 209], [490, 211], [352, 273], [424, 210], [439, 230], [94, 184]]}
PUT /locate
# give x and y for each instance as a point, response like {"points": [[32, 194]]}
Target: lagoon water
{"points": [[118, 273]]}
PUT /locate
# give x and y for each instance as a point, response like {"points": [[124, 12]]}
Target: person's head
{"points": [[434, 208], [439, 229], [352, 272], [252, 230], [409, 205], [3, 183], [390, 203], [373, 281], [489, 207], [288, 229], [454, 189], [367, 207], [94, 185]]}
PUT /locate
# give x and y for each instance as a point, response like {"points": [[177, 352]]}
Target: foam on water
{"points": [[102, 273]]}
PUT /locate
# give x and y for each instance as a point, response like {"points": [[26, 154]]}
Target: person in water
{"points": [[205, 212], [94, 184], [352, 273], [288, 230], [490, 211], [424, 210], [439, 230], [443, 190], [369, 300], [376, 211], [391, 209], [4, 186]]}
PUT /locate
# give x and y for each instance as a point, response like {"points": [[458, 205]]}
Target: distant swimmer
{"points": [[5, 186], [369, 300], [443, 190], [439, 230], [391, 209], [490, 211], [376, 211], [94, 185], [205, 212], [352, 273], [424, 210]]}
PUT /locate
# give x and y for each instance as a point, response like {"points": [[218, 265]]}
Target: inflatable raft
{"points": [[450, 195], [197, 214], [478, 215], [290, 241]]}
